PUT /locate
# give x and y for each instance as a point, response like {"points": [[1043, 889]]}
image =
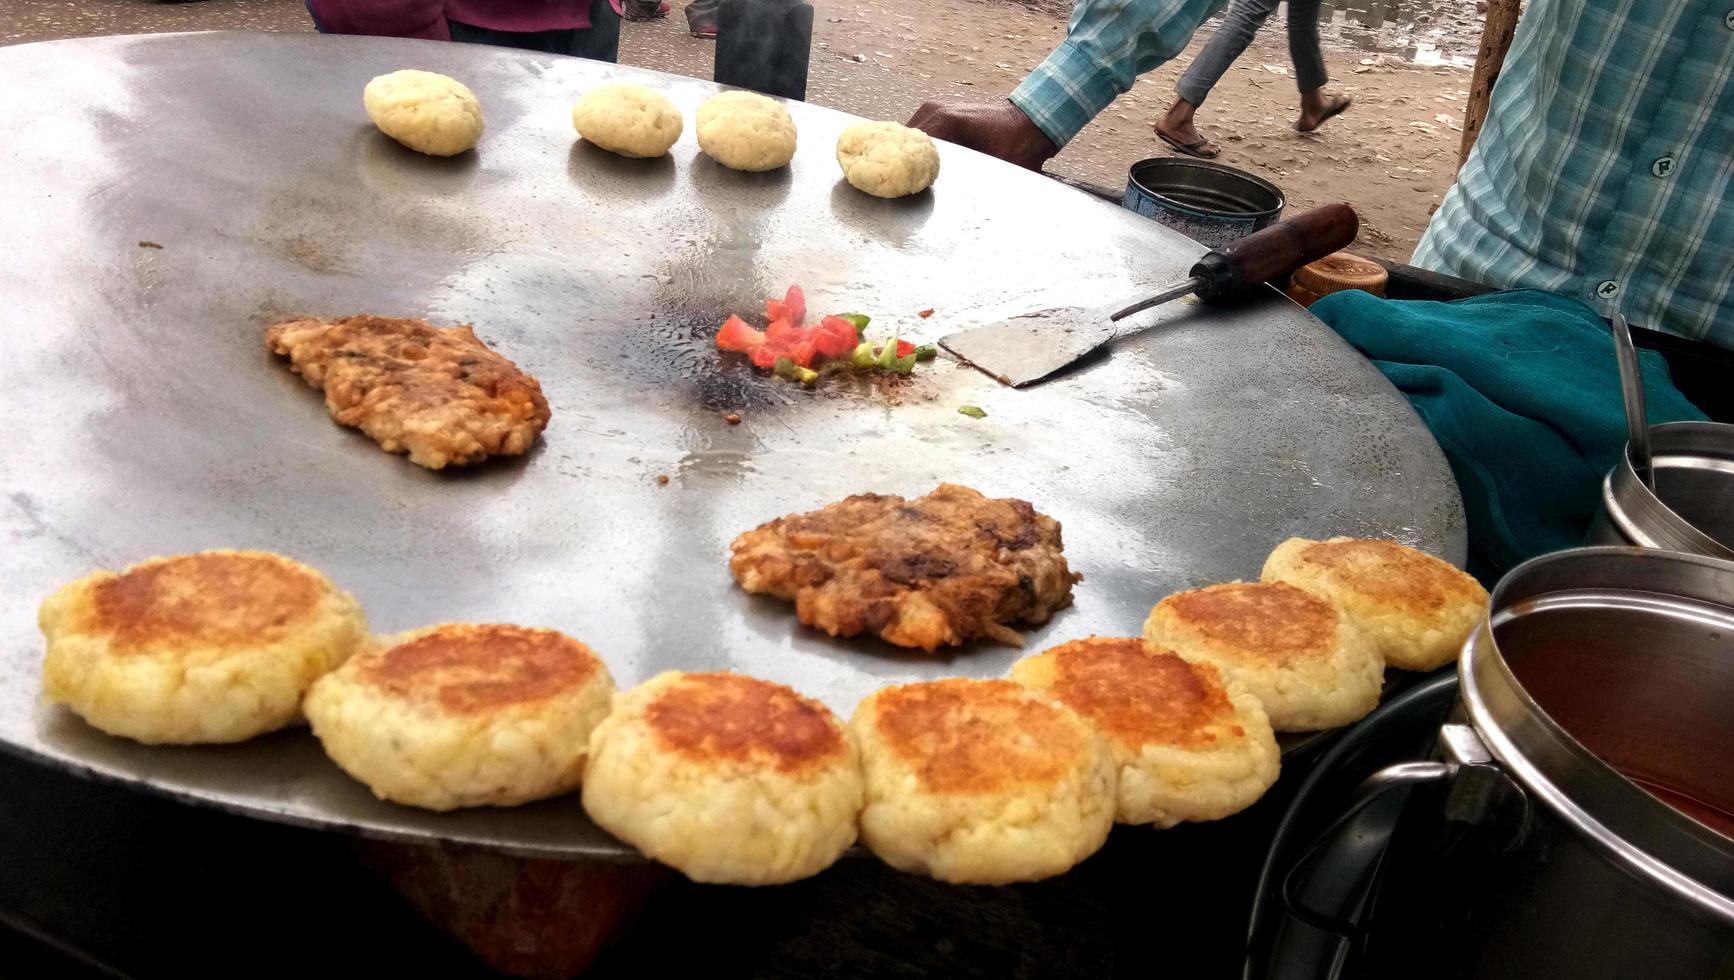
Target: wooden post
{"points": [[1496, 33]]}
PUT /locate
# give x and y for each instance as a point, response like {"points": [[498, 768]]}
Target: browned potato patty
{"points": [[217, 646], [438, 394], [935, 571], [462, 714], [981, 782]]}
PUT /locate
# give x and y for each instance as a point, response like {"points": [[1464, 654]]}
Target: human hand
{"points": [[997, 129]]}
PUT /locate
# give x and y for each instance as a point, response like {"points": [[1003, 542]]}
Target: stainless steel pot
{"points": [[1564, 826], [1692, 507]]}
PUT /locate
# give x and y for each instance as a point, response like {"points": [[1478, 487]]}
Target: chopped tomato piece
{"points": [[781, 331], [835, 336], [924, 314], [765, 356], [792, 307], [738, 336], [905, 348], [804, 351]]}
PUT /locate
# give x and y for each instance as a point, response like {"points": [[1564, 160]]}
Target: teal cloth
{"points": [[1522, 391]]}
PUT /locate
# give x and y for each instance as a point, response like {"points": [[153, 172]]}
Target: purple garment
{"points": [[427, 18], [522, 16], [382, 18]]}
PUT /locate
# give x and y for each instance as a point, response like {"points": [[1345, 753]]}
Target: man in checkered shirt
{"points": [[1604, 170]]}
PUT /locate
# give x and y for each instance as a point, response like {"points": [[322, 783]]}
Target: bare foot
{"points": [[1317, 107], [1177, 130], [998, 129]]}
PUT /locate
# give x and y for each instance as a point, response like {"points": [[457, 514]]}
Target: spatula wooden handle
{"points": [[1273, 254]]}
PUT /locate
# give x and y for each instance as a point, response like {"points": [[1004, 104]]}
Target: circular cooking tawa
{"points": [[170, 196]]}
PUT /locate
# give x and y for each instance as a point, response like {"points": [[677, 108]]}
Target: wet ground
{"points": [[1426, 33], [1392, 155]]}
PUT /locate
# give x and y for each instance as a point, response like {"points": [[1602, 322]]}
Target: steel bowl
{"points": [[1691, 508]]}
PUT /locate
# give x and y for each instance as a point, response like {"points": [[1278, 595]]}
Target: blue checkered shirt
{"points": [[1604, 168], [1108, 44]]}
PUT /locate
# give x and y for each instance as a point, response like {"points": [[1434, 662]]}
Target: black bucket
{"points": [[1208, 202]]}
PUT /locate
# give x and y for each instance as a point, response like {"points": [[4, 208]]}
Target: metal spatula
{"points": [[1029, 348]]}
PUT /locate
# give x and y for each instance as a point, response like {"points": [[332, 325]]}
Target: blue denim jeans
{"points": [[1242, 21]]}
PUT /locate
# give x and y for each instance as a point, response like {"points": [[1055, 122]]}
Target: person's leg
{"points": [[1309, 66], [1108, 44], [1231, 40], [533, 41], [1236, 32], [601, 42], [701, 17]]}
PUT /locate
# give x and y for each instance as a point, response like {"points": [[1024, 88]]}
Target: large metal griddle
{"points": [[140, 413]]}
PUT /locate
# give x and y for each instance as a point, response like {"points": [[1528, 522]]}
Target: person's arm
{"points": [[1108, 44]]}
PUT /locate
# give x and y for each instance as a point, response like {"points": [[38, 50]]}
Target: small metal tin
{"points": [[1211, 203], [1692, 507]]}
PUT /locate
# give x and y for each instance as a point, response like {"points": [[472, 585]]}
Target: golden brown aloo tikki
{"points": [[436, 393], [1303, 659], [216, 646], [1417, 609], [463, 715], [934, 571], [1191, 744], [727, 778], [981, 782]]}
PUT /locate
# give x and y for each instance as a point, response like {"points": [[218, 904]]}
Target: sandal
{"points": [[1201, 148]]}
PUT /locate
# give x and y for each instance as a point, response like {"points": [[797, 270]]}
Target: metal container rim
{"points": [[1472, 690], [1276, 193]]}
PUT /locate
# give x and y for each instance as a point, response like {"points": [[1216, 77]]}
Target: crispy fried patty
{"points": [[935, 571], [460, 714], [720, 717], [981, 781], [728, 778], [464, 669], [216, 646], [438, 394]]}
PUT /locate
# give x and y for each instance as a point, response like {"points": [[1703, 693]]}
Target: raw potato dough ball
{"points": [[424, 111], [630, 120], [887, 160], [729, 779], [1191, 744], [217, 646], [1417, 609], [461, 715], [981, 782], [746, 131]]}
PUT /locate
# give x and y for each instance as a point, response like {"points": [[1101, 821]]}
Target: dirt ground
{"points": [[1392, 154]]}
